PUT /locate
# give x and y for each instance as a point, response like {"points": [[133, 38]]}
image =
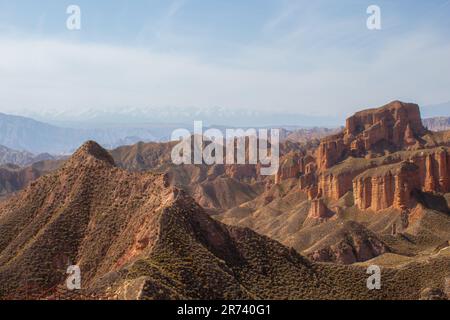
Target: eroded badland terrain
{"points": [[139, 227]]}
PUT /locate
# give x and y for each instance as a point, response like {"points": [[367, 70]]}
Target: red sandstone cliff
{"points": [[319, 210], [388, 186], [291, 166], [358, 160], [393, 126], [434, 169]]}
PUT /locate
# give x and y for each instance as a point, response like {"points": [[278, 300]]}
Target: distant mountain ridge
{"points": [[21, 158], [11, 156], [222, 116], [437, 123], [26, 134], [22, 133]]}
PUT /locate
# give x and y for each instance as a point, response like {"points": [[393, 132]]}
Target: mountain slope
{"points": [[214, 187], [136, 237], [27, 134], [38, 137], [91, 213], [75, 214], [14, 178]]}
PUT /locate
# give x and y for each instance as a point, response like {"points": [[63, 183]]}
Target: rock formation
{"points": [[387, 186], [434, 169], [355, 160], [291, 166], [392, 126], [135, 237], [319, 210], [335, 186], [135, 225]]}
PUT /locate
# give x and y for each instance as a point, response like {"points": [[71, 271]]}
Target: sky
{"points": [[316, 58]]}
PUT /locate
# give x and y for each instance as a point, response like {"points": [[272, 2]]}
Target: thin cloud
{"points": [[175, 7], [161, 28], [286, 13], [301, 65], [58, 75]]}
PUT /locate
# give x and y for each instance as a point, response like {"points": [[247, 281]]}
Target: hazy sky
{"points": [[307, 57]]}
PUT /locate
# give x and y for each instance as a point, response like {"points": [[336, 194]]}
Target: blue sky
{"points": [[311, 57]]}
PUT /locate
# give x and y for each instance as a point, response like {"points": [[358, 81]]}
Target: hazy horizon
{"points": [[262, 57], [142, 117]]}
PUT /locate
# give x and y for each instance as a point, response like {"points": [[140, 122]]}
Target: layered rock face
{"points": [[356, 160], [290, 167], [331, 150], [388, 186], [335, 186], [319, 210], [392, 126], [434, 169], [393, 122]]}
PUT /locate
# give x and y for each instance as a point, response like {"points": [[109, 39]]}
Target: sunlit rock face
{"points": [[388, 186], [396, 125]]}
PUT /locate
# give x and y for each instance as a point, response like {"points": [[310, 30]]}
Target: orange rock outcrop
{"points": [[382, 156], [434, 169], [290, 167], [395, 125], [335, 186], [380, 183], [319, 210], [387, 186]]}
